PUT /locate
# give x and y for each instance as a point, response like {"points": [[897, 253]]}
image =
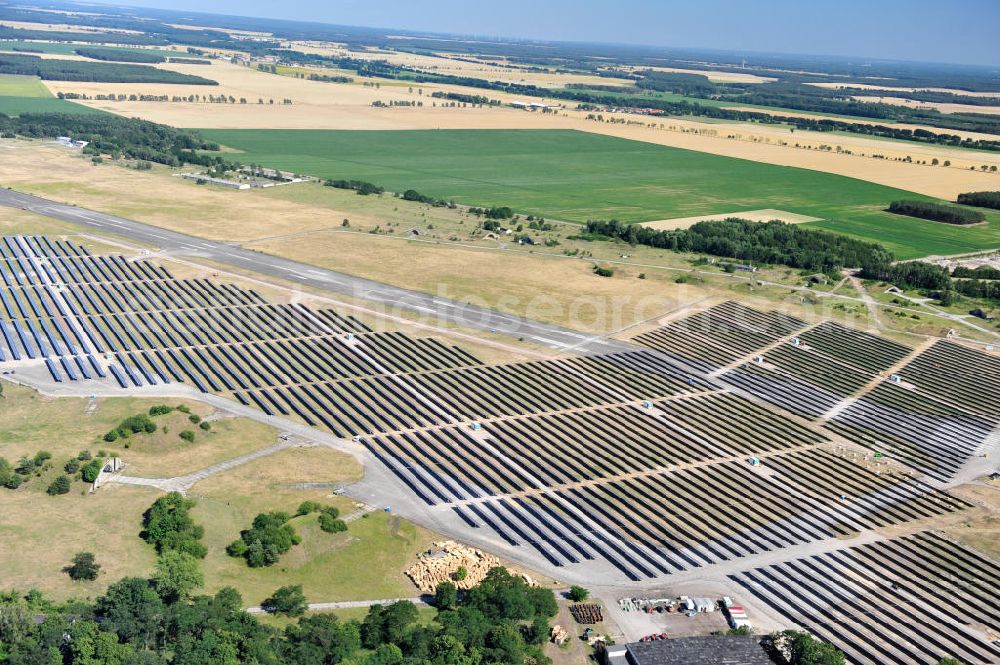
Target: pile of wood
{"points": [[558, 635], [587, 613], [440, 563]]}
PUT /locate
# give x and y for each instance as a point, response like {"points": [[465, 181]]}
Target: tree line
{"points": [[936, 212], [161, 621], [130, 138], [768, 242], [980, 199], [120, 54], [103, 72]]}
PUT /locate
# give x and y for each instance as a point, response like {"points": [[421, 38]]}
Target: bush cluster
{"points": [[266, 540], [168, 526], [360, 186]]}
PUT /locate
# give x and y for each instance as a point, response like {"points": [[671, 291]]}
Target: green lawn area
{"points": [[576, 176], [27, 94]]}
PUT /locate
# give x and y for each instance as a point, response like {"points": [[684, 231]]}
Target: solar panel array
{"points": [[915, 599], [630, 458], [940, 413]]}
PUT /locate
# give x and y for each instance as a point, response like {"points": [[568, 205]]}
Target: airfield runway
{"points": [[422, 304]]}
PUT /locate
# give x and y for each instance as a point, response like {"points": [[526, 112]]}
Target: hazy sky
{"points": [[962, 31]]}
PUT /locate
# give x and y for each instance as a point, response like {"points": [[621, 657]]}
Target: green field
{"points": [[27, 94], [57, 48], [577, 176]]}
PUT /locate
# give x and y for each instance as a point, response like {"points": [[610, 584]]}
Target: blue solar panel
{"points": [[11, 342], [68, 368], [57, 300], [119, 377], [82, 366], [142, 368], [53, 371], [96, 366], [38, 338], [25, 338], [131, 374]]}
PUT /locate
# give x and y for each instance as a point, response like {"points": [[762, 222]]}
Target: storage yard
{"points": [[714, 440]]}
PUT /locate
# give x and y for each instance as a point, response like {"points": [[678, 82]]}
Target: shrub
{"points": [[184, 408], [83, 567], [461, 573], [603, 272], [194, 418], [204, 425], [84, 455], [307, 507], [936, 212], [160, 410], [59, 486], [187, 435], [331, 524], [91, 470], [131, 425], [72, 466], [578, 594]]}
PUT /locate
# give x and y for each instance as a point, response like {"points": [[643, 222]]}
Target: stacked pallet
{"points": [[442, 561]]}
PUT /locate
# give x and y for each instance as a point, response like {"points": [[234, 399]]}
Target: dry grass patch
{"points": [[39, 534], [165, 454], [365, 562], [765, 215], [30, 422], [546, 288]]}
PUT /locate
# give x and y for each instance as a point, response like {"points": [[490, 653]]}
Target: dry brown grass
{"points": [[982, 532], [165, 455], [547, 288], [365, 562], [39, 534]]}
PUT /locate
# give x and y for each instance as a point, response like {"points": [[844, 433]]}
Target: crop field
{"points": [[913, 599], [27, 94], [576, 176], [576, 459]]}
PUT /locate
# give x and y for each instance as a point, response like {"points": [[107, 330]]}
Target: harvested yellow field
{"points": [[490, 69], [61, 27], [764, 215], [714, 75], [938, 106], [864, 121], [889, 88]]}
